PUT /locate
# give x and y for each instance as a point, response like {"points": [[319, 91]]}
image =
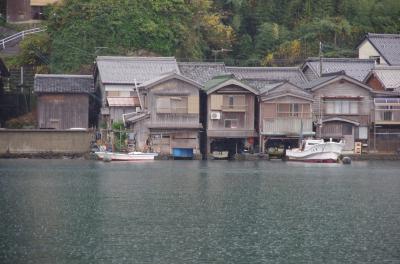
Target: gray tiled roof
{"points": [[388, 45], [60, 83], [389, 76], [125, 70], [284, 88], [269, 74], [201, 72], [321, 80], [261, 85], [355, 68]]}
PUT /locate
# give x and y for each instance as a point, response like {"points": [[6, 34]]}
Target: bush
{"points": [[24, 121]]}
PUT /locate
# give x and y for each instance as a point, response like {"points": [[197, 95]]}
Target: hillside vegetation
{"points": [[240, 32]]}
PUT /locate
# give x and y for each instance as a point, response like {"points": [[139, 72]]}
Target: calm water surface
{"points": [[76, 211]]}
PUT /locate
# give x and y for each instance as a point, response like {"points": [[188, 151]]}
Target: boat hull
{"points": [[326, 157], [328, 152], [111, 156], [220, 155]]}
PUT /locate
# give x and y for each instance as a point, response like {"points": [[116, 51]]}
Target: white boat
{"points": [[131, 156], [316, 150], [220, 154]]}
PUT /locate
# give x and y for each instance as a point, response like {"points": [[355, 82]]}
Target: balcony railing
{"points": [[234, 108], [386, 116], [286, 126]]}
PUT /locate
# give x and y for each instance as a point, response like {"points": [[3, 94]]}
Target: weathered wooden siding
{"points": [[244, 116], [375, 84], [274, 124], [63, 111], [343, 89], [116, 112], [189, 116], [18, 10]]}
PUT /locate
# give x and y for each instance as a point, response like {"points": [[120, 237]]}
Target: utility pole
{"points": [[320, 59], [215, 52]]}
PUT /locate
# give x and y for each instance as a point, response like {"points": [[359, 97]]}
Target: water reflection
{"points": [[75, 211]]}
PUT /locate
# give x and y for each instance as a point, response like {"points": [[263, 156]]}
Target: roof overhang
{"points": [[267, 98], [163, 78], [123, 101], [233, 82], [339, 119], [342, 77]]}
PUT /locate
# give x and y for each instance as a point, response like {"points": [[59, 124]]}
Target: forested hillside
{"points": [[240, 32]]}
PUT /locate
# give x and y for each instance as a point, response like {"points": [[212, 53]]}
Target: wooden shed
{"points": [[63, 100]]}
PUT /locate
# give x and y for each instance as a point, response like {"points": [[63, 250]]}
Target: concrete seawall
{"points": [[38, 142]]}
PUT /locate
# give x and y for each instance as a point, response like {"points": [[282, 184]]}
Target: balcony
{"points": [[387, 117], [287, 126], [174, 121], [387, 111]]}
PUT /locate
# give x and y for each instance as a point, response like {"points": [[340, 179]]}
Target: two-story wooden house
{"points": [[230, 115], [386, 119], [342, 108], [285, 115], [170, 120], [117, 79]]}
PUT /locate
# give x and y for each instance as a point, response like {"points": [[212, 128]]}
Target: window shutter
{"points": [[269, 110], [193, 105], [163, 105], [216, 101]]}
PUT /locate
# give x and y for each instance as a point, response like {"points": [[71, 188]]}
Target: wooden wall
{"points": [[375, 84], [174, 88], [63, 111], [18, 10], [344, 88], [245, 116]]}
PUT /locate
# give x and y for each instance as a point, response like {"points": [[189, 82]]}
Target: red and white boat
{"points": [[316, 150], [131, 156]]}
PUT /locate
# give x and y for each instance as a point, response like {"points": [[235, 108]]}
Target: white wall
{"points": [[366, 51]]}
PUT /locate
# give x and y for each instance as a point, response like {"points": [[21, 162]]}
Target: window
{"points": [[363, 132], [376, 58], [341, 107], [231, 123], [231, 101], [169, 105], [347, 129], [388, 115], [293, 110]]}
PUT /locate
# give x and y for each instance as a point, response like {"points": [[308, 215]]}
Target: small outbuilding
{"points": [[63, 100]]}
